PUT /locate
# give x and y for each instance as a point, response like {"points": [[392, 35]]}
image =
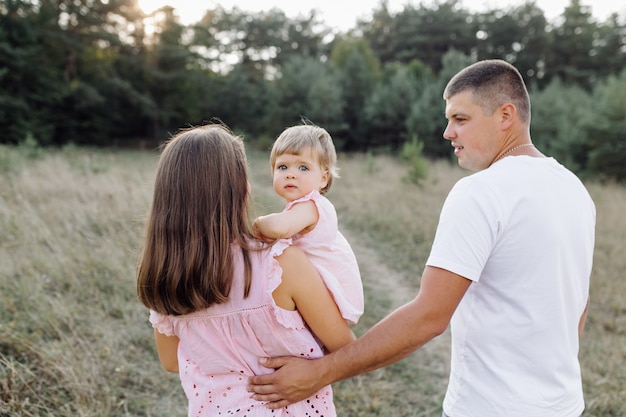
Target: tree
{"points": [[359, 71], [610, 47], [426, 120], [87, 38], [421, 33], [605, 129], [557, 123], [572, 47], [30, 83], [388, 107], [311, 89], [264, 39], [243, 99], [64, 77], [517, 35], [170, 77], [379, 33]]}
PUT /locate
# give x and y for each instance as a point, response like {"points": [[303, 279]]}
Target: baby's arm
{"points": [[300, 218], [303, 287]]}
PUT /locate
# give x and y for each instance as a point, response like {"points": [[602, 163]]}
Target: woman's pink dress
{"points": [[220, 347]]}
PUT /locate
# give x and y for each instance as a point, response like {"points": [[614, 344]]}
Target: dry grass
{"points": [[74, 341], [603, 350]]}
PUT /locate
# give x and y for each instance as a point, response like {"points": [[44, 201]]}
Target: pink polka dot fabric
{"points": [[220, 346]]}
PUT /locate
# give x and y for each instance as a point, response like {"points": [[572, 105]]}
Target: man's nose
{"points": [[447, 133]]}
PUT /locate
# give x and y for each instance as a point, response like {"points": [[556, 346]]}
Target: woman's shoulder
{"points": [[290, 254]]}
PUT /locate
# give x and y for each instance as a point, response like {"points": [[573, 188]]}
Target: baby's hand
{"points": [[258, 234], [264, 238]]}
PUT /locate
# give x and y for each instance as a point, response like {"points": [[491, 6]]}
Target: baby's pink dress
{"points": [[332, 256], [220, 347]]}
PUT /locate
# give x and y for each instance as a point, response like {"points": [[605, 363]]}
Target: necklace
{"points": [[514, 148]]}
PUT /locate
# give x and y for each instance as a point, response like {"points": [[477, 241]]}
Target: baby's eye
{"points": [[303, 168], [281, 167]]}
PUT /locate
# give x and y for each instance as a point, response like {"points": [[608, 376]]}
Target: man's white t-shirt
{"points": [[523, 231]]}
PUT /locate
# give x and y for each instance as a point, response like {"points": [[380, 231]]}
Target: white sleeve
{"points": [[467, 230]]}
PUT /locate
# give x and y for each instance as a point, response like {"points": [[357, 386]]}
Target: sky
{"points": [[342, 14]]}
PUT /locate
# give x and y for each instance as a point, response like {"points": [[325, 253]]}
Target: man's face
{"points": [[472, 133]]}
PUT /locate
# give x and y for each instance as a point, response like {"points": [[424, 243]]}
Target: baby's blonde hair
{"points": [[296, 139]]}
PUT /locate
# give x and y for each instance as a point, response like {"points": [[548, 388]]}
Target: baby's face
{"points": [[297, 175]]}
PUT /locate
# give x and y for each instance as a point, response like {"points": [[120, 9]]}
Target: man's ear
{"points": [[508, 113]]}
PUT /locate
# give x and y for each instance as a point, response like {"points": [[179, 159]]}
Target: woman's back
{"points": [[220, 346], [215, 296]]}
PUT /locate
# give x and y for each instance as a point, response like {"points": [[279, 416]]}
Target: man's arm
{"points": [[393, 338], [583, 319]]}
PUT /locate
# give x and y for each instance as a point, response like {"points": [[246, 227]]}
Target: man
{"points": [[509, 270]]}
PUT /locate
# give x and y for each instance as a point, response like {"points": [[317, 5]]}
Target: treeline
{"points": [[102, 72]]}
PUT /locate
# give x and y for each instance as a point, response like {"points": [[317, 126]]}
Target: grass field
{"points": [[74, 340]]}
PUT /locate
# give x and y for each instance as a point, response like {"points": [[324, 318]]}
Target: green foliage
{"points": [[426, 119], [582, 130], [559, 114], [13, 157], [606, 50], [519, 35], [30, 149], [101, 72], [411, 155], [606, 127], [242, 100], [371, 166], [572, 43], [359, 71], [308, 88], [10, 161], [387, 108], [31, 95], [425, 33]]}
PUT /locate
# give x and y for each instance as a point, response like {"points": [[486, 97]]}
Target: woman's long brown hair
{"points": [[199, 210]]}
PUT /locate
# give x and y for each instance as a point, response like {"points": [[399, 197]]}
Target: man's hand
{"points": [[294, 380]]}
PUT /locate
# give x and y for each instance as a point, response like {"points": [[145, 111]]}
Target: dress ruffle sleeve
{"points": [[162, 323], [313, 195], [289, 319], [331, 254]]}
